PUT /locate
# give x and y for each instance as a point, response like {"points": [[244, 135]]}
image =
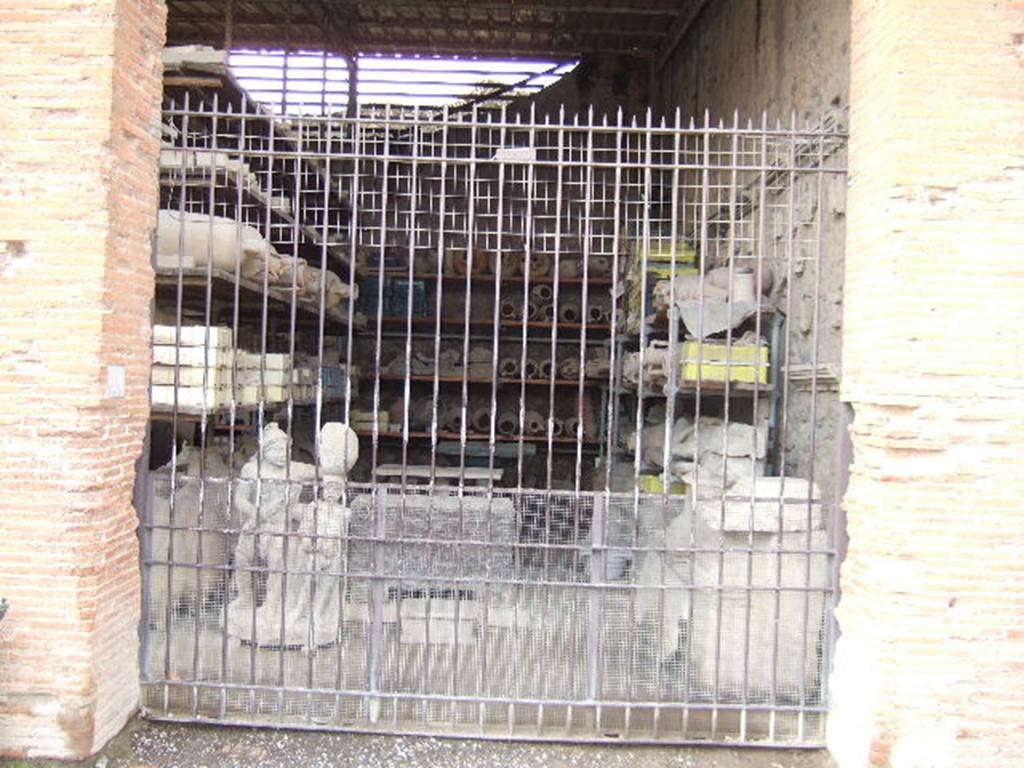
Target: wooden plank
{"points": [[192, 81]]}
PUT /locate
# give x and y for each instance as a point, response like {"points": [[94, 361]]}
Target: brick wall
{"points": [[79, 98], [777, 56], [929, 666]]}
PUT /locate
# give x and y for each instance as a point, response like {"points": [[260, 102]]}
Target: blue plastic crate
{"points": [[368, 290], [397, 303], [334, 383]]}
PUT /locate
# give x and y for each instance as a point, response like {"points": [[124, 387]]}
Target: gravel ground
{"points": [[153, 745]]}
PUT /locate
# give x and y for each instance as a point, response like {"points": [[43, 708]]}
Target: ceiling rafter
{"points": [[440, 27]]}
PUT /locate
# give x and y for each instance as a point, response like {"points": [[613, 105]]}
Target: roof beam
{"points": [[538, 6], [419, 28], [510, 50], [488, 5]]}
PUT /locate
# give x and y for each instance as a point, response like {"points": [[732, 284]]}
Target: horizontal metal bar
{"points": [[492, 700], [399, 120], [494, 581], [527, 736], [524, 545]]}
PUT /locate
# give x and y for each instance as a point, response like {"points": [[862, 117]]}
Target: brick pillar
{"points": [[79, 110], [930, 666]]}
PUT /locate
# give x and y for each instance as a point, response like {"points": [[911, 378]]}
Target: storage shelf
{"points": [[461, 321], [164, 412], [488, 278], [205, 77], [222, 288], [476, 437], [429, 379], [706, 387], [220, 179], [659, 329]]}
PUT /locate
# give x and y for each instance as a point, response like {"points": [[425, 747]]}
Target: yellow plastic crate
{"points": [[746, 363], [661, 249], [654, 484]]}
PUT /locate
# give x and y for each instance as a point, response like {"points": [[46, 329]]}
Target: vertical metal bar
{"points": [[646, 196], [560, 150], [463, 426], [434, 423], [483, 684], [595, 595], [204, 411], [375, 646], [471, 182], [705, 168], [407, 382], [145, 492], [731, 192], [584, 298], [784, 418], [172, 511], [285, 533], [518, 591], [407, 386], [242, 149], [257, 532], [587, 178], [382, 258], [617, 301], [353, 245], [685, 651], [670, 409], [528, 230], [496, 315], [319, 491], [760, 241], [546, 549], [438, 298]]}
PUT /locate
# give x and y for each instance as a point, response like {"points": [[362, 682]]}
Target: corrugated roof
{"points": [[512, 28]]}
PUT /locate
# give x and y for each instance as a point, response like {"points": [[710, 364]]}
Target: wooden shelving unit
{"points": [[503, 382], [391, 320], [227, 173], [489, 278], [476, 437]]}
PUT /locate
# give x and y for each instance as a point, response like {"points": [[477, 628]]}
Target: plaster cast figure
{"points": [[267, 488], [302, 601]]}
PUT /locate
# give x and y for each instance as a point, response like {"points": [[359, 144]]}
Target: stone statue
{"points": [[305, 565], [270, 485]]}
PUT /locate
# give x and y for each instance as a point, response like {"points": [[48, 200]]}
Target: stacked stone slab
{"points": [[196, 360], [774, 572], [207, 370]]}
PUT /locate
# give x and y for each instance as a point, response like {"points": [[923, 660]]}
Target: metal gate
{"points": [[477, 423]]}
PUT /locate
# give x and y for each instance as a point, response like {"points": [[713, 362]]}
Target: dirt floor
{"points": [[152, 745]]}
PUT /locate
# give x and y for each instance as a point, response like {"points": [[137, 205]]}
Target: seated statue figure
{"points": [[270, 485], [304, 583]]}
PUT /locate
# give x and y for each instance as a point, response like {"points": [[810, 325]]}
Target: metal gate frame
{"points": [[591, 599]]}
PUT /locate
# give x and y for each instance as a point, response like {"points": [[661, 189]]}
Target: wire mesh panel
{"points": [[480, 423]]}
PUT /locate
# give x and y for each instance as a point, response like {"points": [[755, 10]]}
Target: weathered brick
{"points": [[78, 137], [933, 365]]}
